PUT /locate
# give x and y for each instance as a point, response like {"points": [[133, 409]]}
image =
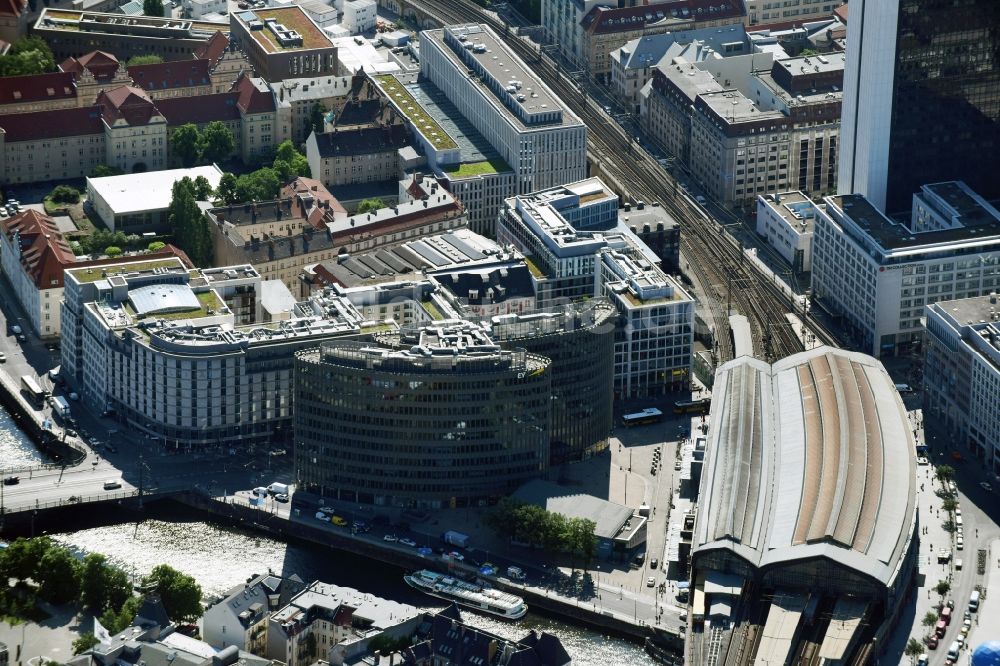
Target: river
{"points": [[222, 557]]}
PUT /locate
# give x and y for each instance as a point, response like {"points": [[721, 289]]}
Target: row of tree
{"points": [[44, 568], [554, 532], [190, 225], [264, 183]]}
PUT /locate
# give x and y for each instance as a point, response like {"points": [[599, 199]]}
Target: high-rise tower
{"points": [[921, 98]]}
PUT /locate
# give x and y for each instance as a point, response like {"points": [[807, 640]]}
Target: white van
{"points": [[958, 564], [958, 521], [954, 649], [974, 601]]}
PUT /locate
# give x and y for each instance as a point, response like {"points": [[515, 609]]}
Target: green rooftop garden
{"points": [[380, 327], [432, 310], [208, 300], [409, 107], [467, 169], [95, 273]]}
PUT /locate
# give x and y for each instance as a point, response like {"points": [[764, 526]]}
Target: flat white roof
{"points": [[149, 191]]}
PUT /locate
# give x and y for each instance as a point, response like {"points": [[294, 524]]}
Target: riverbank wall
{"points": [[251, 518], [30, 422]]}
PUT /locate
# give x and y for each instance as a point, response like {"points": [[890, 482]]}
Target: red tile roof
{"points": [[213, 49], [12, 7], [101, 64], [199, 109], [603, 20], [253, 99], [44, 253], [173, 74], [36, 87], [841, 13], [53, 124], [129, 103]]}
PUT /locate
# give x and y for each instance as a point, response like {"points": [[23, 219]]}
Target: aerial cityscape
{"points": [[499, 332]]}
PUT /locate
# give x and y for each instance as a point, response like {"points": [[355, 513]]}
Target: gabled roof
{"points": [[99, 63], [172, 74], [52, 124], [36, 87], [129, 103], [12, 7], [199, 109], [213, 49], [44, 252], [254, 95]]}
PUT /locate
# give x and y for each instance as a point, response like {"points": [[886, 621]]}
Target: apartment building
{"points": [[297, 97], [283, 43], [70, 32], [240, 617], [189, 356], [334, 624], [766, 12], [878, 274], [755, 132], [535, 133], [633, 64], [962, 373], [787, 220], [358, 154], [605, 29], [577, 248], [281, 238]]}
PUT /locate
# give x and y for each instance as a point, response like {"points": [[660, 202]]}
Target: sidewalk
{"points": [[52, 638]]}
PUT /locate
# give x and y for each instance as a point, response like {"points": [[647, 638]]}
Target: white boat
{"points": [[469, 595]]}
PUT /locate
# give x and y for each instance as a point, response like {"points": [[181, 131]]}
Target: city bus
{"points": [[648, 415], [30, 388], [692, 406]]}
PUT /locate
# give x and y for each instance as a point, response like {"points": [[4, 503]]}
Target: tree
{"points": [[944, 474], [930, 619], [949, 504], [914, 649], [113, 251], [115, 621], [152, 8], [227, 189], [22, 558], [368, 205], [184, 144], [103, 171], [65, 194], [316, 118], [84, 643], [202, 188], [216, 142], [189, 224], [28, 55], [180, 594], [942, 587], [150, 59], [156, 246], [58, 576], [265, 183], [295, 163]]}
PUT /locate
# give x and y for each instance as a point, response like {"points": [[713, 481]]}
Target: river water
{"points": [[221, 557], [16, 450]]}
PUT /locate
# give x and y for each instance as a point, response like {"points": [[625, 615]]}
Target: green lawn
{"points": [[467, 169], [534, 268], [432, 310], [94, 273], [409, 107]]}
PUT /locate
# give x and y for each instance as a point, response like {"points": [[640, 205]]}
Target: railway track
{"points": [[724, 276]]}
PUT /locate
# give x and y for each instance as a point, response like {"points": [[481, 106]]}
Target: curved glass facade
{"points": [[417, 428]]}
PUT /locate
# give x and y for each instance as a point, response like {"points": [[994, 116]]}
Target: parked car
{"points": [[321, 516], [3, 357], [281, 497], [112, 485], [15, 329], [390, 538], [986, 486], [12, 480], [457, 556], [326, 509], [408, 542], [338, 521], [653, 563], [650, 582]]}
